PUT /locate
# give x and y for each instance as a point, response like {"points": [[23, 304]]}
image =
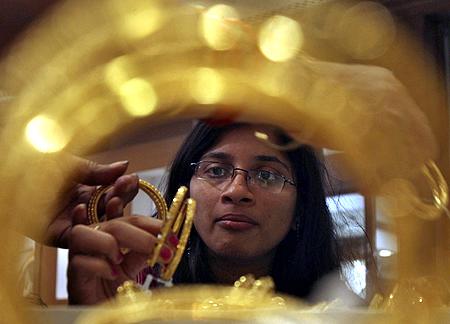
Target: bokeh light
{"points": [[117, 72], [315, 100], [45, 134], [365, 30], [217, 27], [141, 23], [280, 38], [207, 86], [138, 97]]}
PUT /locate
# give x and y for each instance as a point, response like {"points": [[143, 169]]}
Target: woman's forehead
{"points": [[242, 142]]}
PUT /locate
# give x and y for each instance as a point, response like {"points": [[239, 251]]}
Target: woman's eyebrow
{"points": [[217, 155], [260, 158], [271, 158]]}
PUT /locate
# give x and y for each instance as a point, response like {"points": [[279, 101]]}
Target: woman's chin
{"points": [[230, 250], [237, 252]]}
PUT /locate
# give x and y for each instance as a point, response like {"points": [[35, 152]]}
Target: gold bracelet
{"points": [[172, 216], [186, 216], [148, 188]]}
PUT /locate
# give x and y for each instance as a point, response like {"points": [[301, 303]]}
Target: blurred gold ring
{"points": [[97, 228], [148, 188]]}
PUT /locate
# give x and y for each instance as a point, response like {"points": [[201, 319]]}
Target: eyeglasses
{"points": [[219, 174]]}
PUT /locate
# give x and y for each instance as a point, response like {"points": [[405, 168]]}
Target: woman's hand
{"points": [[96, 264], [72, 208]]}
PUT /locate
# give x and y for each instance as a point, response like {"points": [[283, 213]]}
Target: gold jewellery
{"points": [[145, 186], [400, 196], [177, 222], [248, 300]]}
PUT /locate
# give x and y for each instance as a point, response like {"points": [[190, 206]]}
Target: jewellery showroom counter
{"points": [[68, 315]]}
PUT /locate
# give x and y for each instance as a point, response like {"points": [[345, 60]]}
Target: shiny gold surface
{"points": [[90, 68], [179, 222], [148, 188], [249, 299]]}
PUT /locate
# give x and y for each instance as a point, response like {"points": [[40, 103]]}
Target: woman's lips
{"points": [[235, 222]]}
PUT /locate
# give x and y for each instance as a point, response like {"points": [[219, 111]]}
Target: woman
{"points": [[259, 211]]}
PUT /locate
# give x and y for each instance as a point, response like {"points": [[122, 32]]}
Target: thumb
{"points": [[91, 173]]}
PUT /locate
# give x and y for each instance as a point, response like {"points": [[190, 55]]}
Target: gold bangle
{"points": [[148, 188], [172, 215], [186, 216]]}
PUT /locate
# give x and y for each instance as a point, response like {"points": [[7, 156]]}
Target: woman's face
{"points": [[239, 220]]}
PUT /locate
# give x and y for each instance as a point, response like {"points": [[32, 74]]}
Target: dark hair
{"points": [[305, 255]]}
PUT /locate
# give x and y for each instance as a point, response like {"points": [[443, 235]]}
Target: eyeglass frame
{"points": [[285, 179]]}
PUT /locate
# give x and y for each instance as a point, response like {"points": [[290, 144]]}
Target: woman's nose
{"points": [[237, 190]]}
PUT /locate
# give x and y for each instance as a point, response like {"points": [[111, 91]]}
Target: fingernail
{"points": [[165, 253], [173, 239], [114, 271], [120, 163]]}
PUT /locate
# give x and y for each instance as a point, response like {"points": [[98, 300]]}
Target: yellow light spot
{"points": [[141, 23], [207, 86], [262, 136], [280, 38], [45, 134], [218, 27], [366, 30], [138, 97], [118, 72]]}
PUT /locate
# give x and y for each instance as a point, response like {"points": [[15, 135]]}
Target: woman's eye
{"points": [[266, 176], [216, 172]]}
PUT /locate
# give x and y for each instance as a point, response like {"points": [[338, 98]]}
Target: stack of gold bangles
{"points": [[176, 221]]}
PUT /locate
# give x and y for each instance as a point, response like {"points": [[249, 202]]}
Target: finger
{"points": [[86, 266], [59, 230], [91, 173], [136, 233], [79, 215], [149, 224], [123, 191], [87, 240], [114, 208], [134, 263], [125, 187]]}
